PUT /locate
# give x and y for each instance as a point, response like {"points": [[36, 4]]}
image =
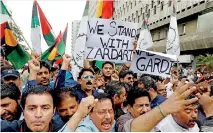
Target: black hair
{"points": [[62, 93], [114, 87], [45, 64], [135, 75], [128, 72], [107, 62], [137, 93], [84, 70], [103, 96], [121, 75], [148, 82], [10, 90], [37, 89]]}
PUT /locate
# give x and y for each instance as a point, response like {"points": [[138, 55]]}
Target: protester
{"points": [[101, 117], [10, 100], [128, 77], [10, 75], [116, 90], [205, 112], [138, 104], [149, 84], [182, 121], [161, 89], [86, 80], [38, 108], [107, 70], [66, 102], [99, 83]]}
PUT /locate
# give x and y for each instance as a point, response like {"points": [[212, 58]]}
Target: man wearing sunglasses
{"points": [[86, 80], [128, 77]]}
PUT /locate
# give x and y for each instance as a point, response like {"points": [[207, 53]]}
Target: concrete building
{"points": [[74, 32], [194, 18]]}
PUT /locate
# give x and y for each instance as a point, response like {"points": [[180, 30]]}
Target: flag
{"points": [[145, 39], [104, 10], [173, 44], [13, 51], [35, 29], [46, 28], [64, 39], [79, 46], [3, 26], [55, 51], [4, 13]]}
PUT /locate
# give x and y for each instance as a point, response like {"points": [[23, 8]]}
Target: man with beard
{"points": [[107, 70], [182, 121], [86, 80], [138, 101], [101, 117], [10, 99], [66, 103], [117, 91], [10, 75], [128, 77]]}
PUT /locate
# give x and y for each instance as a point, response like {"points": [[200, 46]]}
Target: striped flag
{"points": [[4, 13], [35, 29]]}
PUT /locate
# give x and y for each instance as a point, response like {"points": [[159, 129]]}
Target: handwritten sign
{"points": [[110, 40], [154, 63]]}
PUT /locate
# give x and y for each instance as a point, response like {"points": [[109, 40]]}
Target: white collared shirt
{"points": [[168, 124]]}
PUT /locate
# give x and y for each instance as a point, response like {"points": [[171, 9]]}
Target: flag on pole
{"points": [[79, 46], [55, 51], [173, 44], [12, 50], [4, 13], [35, 29], [145, 39], [48, 34], [104, 10]]}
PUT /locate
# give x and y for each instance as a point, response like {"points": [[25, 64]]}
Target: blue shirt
{"points": [[82, 94], [87, 125], [157, 101]]}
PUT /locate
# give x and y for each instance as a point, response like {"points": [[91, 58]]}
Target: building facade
{"points": [[74, 33], [194, 18]]}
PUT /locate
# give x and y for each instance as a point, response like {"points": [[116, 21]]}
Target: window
{"points": [[126, 3], [135, 2], [132, 16], [143, 15], [134, 20], [184, 28], [147, 8], [131, 5], [159, 35], [158, 2], [138, 19], [148, 13], [170, 3], [129, 18], [136, 13], [141, 10], [152, 3], [162, 3], [125, 19], [154, 9]]}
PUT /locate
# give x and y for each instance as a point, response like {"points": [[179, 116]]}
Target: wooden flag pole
{"points": [[22, 34]]}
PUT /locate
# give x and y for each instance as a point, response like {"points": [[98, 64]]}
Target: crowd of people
{"points": [[45, 97]]}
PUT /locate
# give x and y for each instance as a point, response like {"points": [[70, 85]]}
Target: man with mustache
{"points": [[66, 103], [101, 117], [86, 80], [10, 99], [138, 101], [182, 121]]}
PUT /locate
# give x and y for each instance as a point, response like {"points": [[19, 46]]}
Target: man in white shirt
{"points": [[182, 121]]}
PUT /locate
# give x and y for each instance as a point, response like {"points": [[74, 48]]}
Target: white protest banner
{"points": [[172, 45], [145, 39], [110, 40], [153, 63], [79, 47]]}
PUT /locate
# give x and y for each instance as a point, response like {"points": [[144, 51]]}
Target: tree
{"points": [[205, 62]]}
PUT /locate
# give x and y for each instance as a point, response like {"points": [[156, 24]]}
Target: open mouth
{"points": [[106, 126]]}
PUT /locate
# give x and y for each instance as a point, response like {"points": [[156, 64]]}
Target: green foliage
{"points": [[205, 61]]}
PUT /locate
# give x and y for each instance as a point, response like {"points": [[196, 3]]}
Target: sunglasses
{"points": [[87, 76], [129, 78]]}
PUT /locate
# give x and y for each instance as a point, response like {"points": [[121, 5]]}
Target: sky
{"points": [[58, 13]]}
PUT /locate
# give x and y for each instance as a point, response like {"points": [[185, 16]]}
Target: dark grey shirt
{"points": [[205, 122]]}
